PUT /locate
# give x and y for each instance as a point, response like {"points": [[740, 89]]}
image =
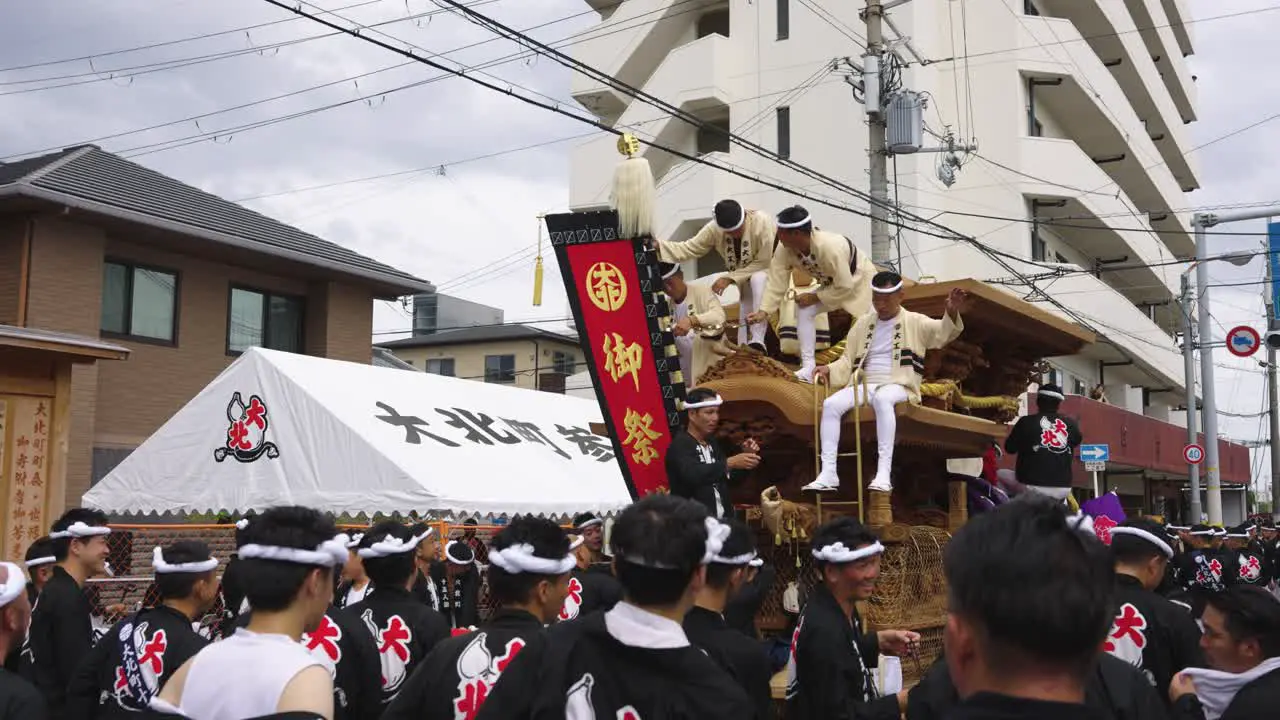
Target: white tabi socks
{"points": [[807, 334]]}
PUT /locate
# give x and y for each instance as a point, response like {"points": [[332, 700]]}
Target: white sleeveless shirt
{"points": [[242, 676]]}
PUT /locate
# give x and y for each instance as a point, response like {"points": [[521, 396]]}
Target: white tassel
{"points": [[633, 193]]}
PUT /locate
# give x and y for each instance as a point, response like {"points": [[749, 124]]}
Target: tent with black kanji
{"points": [[279, 428]]}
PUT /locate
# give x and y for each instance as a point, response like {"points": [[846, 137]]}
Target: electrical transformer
{"points": [[904, 121]]}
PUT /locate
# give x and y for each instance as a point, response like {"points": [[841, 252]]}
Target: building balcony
{"points": [[1176, 11], [1099, 225], [630, 45], [1112, 35], [1102, 122], [690, 190], [1125, 333], [1163, 46]]}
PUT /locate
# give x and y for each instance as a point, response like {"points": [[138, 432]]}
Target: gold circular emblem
{"points": [[606, 286]]}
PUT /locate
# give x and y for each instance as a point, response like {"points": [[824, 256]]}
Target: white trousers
{"points": [[807, 333], [750, 294], [883, 399], [684, 345]]}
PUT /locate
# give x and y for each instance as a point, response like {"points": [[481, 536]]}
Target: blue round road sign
{"points": [[1243, 341]]}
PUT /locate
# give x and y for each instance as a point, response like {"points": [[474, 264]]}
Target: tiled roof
{"points": [[115, 186], [478, 334]]}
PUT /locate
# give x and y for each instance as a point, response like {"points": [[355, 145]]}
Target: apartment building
{"points": [[94, 245], [519, 355], [1079, 109]]}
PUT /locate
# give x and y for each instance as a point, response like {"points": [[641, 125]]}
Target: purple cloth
{"points": [[1106, 513]]}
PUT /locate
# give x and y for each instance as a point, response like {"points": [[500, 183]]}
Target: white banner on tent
{"points": [[278, 428]]}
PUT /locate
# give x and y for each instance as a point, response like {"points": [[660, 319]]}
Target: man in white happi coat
{"points": [[744, 238], [699, 322], [888, 344], [842, 271]]}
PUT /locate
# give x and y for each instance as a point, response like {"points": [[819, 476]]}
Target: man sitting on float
{"points": [[885, 356]]}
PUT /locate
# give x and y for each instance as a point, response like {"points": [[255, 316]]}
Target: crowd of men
{"points": [[1044, 621]]}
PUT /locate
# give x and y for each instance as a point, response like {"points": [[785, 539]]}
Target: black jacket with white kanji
{"points": [[590, 591], [1152, 634], [162, 640], [700, 472], [456, 598], [1203, 572], [829, 673], [1251, 566], [457, 676], [742, 657], [580, 669], [59, 637], [1044, 444], [404, 631]]}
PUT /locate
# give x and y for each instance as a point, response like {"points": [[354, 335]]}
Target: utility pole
{"points": [[1273, 375], [1189, 369], [877, 151], [1199, 223]]}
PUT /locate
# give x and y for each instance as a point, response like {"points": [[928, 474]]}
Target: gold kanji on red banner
{"points": [[640, 436], [606, 286], [621, 358]]}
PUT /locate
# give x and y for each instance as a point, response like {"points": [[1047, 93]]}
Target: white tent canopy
{"points": [[277, 428]]}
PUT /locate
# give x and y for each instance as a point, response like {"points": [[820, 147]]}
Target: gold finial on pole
{"points": [[537, 267], [628, 145]]}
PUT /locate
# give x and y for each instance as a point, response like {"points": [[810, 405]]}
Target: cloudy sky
{"points": [[267, 114]]}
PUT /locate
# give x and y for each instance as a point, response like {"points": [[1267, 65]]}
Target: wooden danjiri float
{"points": [[971, 391]]}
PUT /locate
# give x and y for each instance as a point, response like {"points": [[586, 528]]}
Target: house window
{"points": [[139, 302], [563, 362], [1077, 387], [784, 133], [499, 368], [784, 19], [262, 319], [1039, 251], [440, 366], [1029, 8]]}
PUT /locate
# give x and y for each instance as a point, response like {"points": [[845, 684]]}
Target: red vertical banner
{"points": [[614, 291]]}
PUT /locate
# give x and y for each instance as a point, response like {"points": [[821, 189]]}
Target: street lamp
{"points": [[1239, 259]]}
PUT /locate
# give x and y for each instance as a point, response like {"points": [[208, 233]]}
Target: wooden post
{"points": [[958, 513], [879, 511]]}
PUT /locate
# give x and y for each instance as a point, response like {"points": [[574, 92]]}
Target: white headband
{"points": [[717, 535], [1139, 532], [79, 530], [589, 523], [453, 560], [576, 542], [517, 559], [161, 567], [327, 554], [1082, 523], [354, 542], [886, 291], [674, 269], [14, 585], [793, 225], [1202, 532], [242, 523], [392, 545], [1219, 531], [1050, 394], [1177, 528], [756, 562], [1244, 534], [716, 401], [838, 553], [33, 562], [742, 218]]}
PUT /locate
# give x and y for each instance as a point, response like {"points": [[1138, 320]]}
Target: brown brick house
{"points": [[93, 244]]}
